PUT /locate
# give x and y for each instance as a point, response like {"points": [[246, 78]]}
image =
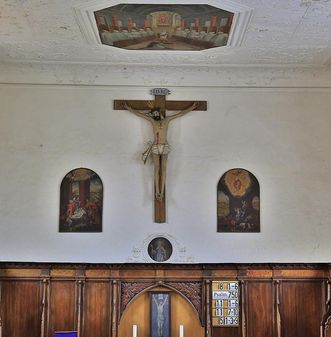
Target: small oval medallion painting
{"points": [[160, 249]]}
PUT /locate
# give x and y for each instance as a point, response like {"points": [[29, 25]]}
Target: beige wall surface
{"points": [[281, 135]]}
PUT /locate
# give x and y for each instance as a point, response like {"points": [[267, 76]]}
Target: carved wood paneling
{"points": [[193, 292], [129, 290], [327, 326]]}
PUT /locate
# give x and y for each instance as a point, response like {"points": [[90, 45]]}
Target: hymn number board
{"points": [[225, 303]]}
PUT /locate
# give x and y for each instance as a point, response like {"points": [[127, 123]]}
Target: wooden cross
{"points": [[155, 113]]}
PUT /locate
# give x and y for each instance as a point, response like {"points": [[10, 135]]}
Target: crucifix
{"points": [[158, 149]]}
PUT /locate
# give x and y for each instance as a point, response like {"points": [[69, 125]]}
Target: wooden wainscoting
{"points": [[301, 312], [260, 299], [62, 306], [97, 308], [106, 300], [21, 309]]}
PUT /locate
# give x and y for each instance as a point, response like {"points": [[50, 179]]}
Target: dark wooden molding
{"points": [[45, 267]]}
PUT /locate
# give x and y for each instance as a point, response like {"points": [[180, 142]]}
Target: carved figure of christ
{"points": [[160, 147], [155, 113]]}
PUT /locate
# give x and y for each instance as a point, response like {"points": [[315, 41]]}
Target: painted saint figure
{"points": [[159, 148], [238, 202], [159, 253], [160, 313]]}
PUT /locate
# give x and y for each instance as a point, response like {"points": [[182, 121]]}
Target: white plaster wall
{"points": [[280, 135]]}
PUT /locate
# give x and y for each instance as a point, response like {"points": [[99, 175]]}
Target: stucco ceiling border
{"points": [[104, 74]]}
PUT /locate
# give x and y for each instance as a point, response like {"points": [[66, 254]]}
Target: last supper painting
{"points": [[81, 200], [238, 202], [164, 26]]}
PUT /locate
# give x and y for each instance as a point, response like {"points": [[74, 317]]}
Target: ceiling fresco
{"points": [[264, 33], [164, 27]]}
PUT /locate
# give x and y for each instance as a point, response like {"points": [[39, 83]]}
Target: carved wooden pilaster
{"points": [[327, 325], [114, 325], [43, 321], [328, 307], [110, 303], [208, 330], [47, 307], [326, 298], [45, 302], [80, 285], [0, 308], [193, 292], [278, 309], [243, 292], [321, 330], [326, 322], [129, 290]]}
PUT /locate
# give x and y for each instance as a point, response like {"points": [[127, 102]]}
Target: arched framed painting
{"points": [[81, 201], [238, 202]]}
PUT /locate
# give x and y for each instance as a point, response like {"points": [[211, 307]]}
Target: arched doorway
{"points": [[182, 313]]}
